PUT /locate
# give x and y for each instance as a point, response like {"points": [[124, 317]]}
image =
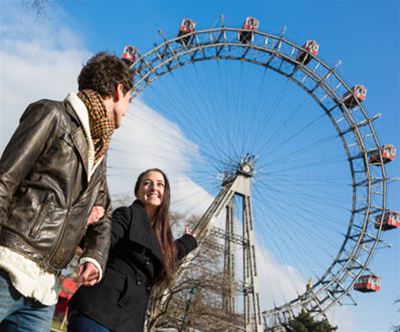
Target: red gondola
{"points": [[391, 219], [187, 26], [388, 152], [311, 48], [129, 54], [368, 283], [250, 24], [358, 92]]}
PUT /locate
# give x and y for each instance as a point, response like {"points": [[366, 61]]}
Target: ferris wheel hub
{"points": [[247, 165]]}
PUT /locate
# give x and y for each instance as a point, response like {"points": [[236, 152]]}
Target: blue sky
{"points": [[40, 58]]}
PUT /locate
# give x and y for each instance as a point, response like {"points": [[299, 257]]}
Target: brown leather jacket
{"points": [[45, 196]]}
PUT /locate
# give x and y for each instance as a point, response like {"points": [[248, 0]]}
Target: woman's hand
{"points": [[188, 231]]}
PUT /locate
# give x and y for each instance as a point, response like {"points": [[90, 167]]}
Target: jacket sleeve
{"points": [[185, 245], [120, 224], [98, 235], [38, 124]]}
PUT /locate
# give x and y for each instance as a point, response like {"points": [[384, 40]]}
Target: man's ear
{"points": [[119, 92]]}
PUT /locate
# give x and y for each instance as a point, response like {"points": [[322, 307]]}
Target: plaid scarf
{"points": [[101, 128]]}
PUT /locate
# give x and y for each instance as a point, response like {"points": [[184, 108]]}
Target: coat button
{"points": [[138, 281], [147, 261], [148, 287]]}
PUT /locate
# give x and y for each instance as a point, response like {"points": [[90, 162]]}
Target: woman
{"points": [[142, 253]]}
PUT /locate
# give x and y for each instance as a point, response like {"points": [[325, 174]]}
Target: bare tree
{"points": [[39, 6], [396, 328], [195, 300]]}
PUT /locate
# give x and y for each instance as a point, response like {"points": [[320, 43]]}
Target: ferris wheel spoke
{"points": [[217, 108], [320, 197], [306, 165], [257, 108], [268, 112], [212, 125], [320, 213], [317, 220], [300, 252], [284, 124], [285, 141], [299, 151], [297, 250], [182, 115], [206, 103], [277, 249], [306, 196]]}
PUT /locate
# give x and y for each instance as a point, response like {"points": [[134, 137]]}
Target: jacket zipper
{"points": [[68, 259], [59, 238], [43, 212]]}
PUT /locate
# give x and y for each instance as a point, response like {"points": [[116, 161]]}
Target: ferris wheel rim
{"points": [[176, 49]]}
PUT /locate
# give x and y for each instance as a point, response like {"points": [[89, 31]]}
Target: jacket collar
{"points": [[82, 137], [141, 231]]}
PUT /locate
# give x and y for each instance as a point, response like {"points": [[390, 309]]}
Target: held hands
{"points": [[96, 214], [87, 274]]}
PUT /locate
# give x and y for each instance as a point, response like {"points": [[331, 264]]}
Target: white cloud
{"points": [[148, 140], [153, 139], [278, 282], [342, 317], [38, 59]]}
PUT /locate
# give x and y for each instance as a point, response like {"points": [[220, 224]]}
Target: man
{"points": [[52, 173]]}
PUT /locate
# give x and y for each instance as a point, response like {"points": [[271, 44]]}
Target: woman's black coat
{"points": [[119, 300]]}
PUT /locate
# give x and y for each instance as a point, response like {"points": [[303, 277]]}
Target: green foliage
{"points": [[305, 323]]}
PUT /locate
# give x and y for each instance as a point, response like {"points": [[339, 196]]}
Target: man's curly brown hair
{"points": [[103, 72]]}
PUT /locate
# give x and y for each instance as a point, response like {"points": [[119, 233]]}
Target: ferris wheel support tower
{"points": [[236, 184]]}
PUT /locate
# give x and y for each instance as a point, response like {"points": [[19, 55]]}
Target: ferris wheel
{"points": [[271, 141]]}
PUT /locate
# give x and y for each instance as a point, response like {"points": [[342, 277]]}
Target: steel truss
{"points": [[354, 127]]}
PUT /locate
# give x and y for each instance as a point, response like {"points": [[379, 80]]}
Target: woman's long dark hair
{"points": [[161, 224]]}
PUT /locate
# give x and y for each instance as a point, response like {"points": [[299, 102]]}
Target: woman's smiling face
{"points": [[151, 189]]}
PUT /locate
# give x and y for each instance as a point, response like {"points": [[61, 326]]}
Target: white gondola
{"points": [[129, 54], [187, 26], [357, 93], [391, 220], [388, 152], [250, 24], [311, 48]]}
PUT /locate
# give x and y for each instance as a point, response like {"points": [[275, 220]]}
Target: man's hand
{"points": [[87, 274], [96, 214]]}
